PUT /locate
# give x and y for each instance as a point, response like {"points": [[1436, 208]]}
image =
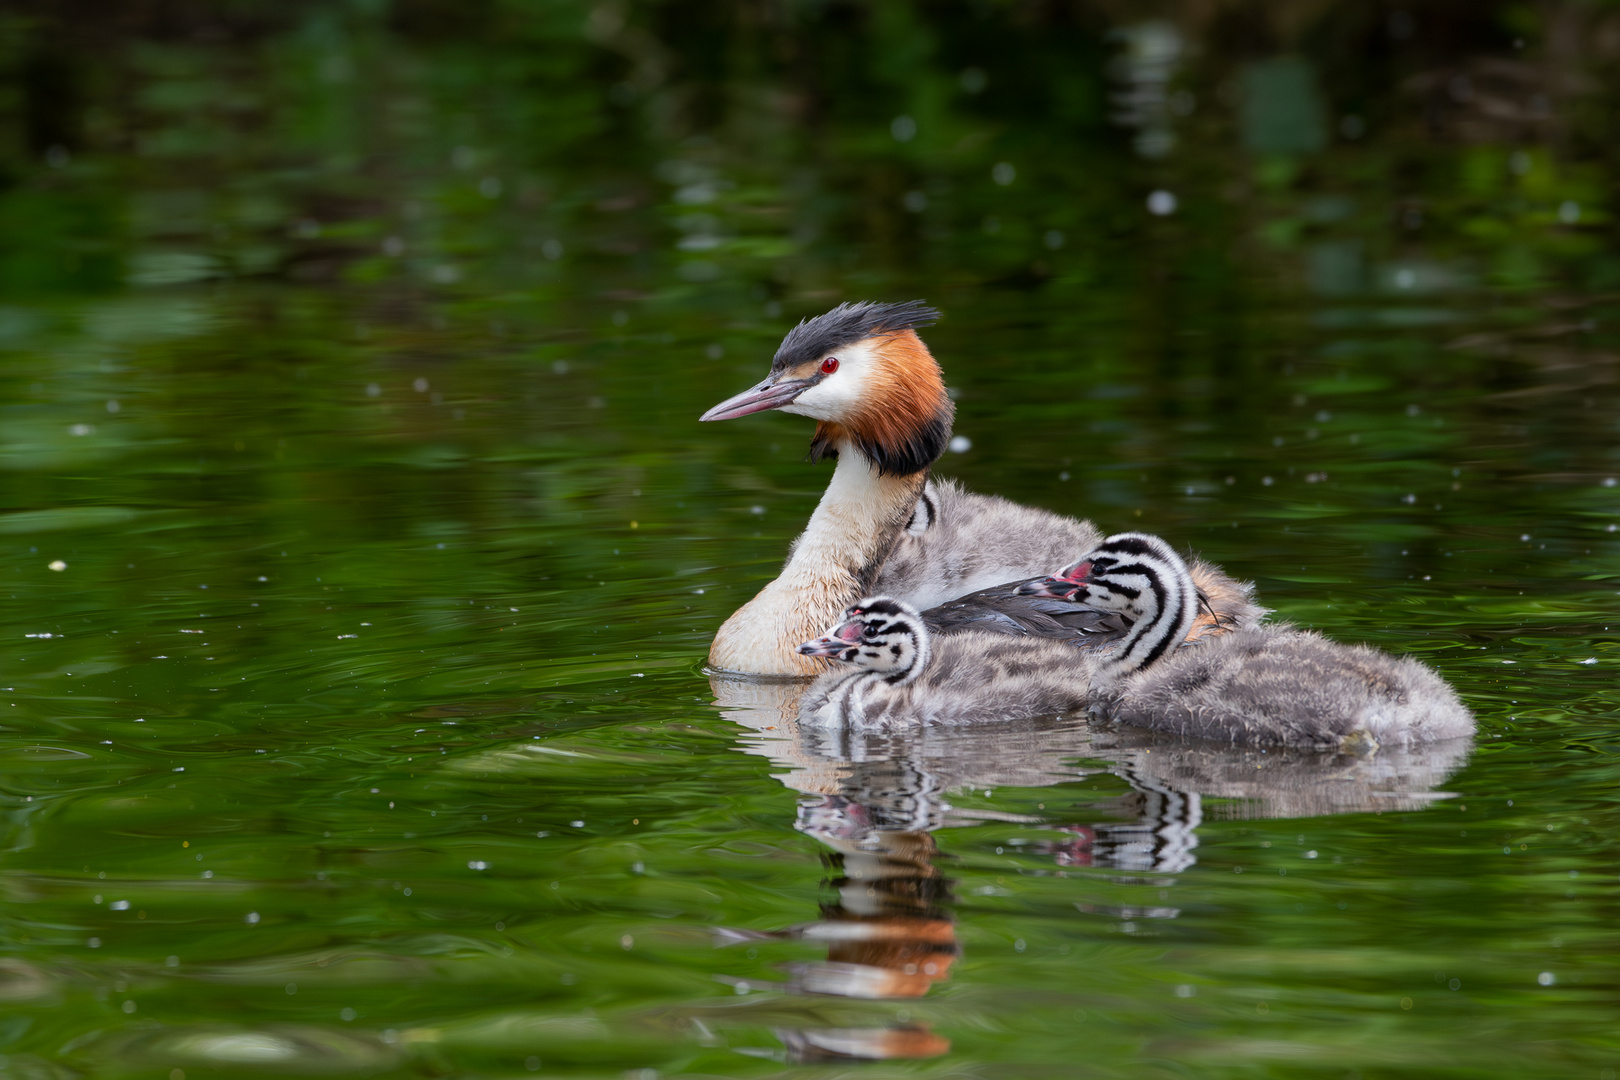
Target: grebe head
{"points": [[865, 375], [880, 634]]}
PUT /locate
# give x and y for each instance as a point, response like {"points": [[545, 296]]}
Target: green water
{"points": [[359, 548]]}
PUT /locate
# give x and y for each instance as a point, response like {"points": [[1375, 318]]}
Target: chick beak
{"points": [[836, 641], [773, 393], [823, 646], [1063, 585], [1055, 587]]}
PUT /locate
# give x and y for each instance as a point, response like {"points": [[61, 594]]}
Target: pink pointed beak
{"points": [[1063, 585], [836, 642], [770, 394]]}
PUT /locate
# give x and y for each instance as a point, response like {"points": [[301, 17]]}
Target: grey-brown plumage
{"points": [[1002, 610], [963, 556], [896, 674], [974, 542], [1277, 684], [1258, 685]]}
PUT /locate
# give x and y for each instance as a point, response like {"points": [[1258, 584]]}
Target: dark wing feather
{"points": [[1000, 610]]}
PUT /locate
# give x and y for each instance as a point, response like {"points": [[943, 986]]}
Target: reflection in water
{"points": [[889, 934], [876, 799]]}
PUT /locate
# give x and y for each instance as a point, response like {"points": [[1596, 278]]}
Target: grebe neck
{"points": [[830, 566]]}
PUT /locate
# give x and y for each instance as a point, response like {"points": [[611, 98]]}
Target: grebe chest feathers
{"points": [[896, 673], [1270, 684]]}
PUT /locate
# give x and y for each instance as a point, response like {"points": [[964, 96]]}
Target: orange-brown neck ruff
{"points": [[903, 422]]}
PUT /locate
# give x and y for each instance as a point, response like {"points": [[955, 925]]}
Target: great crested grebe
{"points": [[900, 675], [882, 526], [1258, 685]]}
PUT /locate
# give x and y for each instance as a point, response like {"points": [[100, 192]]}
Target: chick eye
{"points": [[829, 365]]}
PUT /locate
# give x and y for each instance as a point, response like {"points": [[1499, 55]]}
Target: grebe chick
{"points": [[1260, 685], [882, 527], [901, 675]]}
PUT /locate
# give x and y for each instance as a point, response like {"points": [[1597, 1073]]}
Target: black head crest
{"points": [[846, 324]]}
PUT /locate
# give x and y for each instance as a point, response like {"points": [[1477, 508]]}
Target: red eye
{"points": [[829, 365]]}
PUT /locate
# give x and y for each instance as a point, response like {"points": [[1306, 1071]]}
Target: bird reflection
{"points": [[876, 799], [889, 933]]}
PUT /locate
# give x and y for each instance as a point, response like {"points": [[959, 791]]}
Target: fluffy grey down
{"points": [[984, 542], [1256, 685], [975, 541], [1281, 685], [969, 678]]}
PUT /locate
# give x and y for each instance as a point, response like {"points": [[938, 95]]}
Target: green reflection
{"points": [[350, 357]]}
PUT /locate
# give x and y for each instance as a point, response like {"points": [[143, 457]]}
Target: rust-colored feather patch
{"points": [[904, 421]]}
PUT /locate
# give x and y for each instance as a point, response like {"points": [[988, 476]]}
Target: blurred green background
{"points": [[350, 360]]}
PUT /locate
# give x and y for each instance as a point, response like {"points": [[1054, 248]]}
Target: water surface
{"points": [[361, 549]]}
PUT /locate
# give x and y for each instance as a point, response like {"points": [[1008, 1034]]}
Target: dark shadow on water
{"points": [[876, 799]]}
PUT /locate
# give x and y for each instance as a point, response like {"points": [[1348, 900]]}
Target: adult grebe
{"points": [[882, 526]]}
